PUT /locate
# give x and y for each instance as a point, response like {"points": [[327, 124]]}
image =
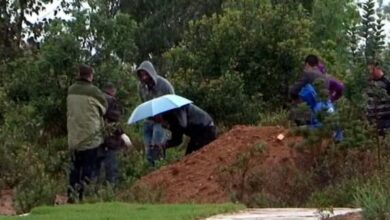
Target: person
{"points": [[319, 92], [378, 103], [108, 151], [311, 73], [86, 106], [152, 86], [192, 121]]}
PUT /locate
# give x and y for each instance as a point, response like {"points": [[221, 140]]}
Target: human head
{"points": [[375, 70], [311, 61], [110, 89], [146, 73], [85, 72], [145, 78]]}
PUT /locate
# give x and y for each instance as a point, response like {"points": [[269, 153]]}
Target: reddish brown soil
{"points": [[6, 204], [196, 178]]}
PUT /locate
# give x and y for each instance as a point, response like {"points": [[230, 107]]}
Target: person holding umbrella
{"points": [[181, 117], [152, 86], [192, 121]]}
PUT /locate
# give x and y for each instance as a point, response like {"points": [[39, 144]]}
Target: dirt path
{"points": [[288, 214]]}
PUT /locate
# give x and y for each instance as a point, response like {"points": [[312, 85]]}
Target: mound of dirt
{"points": [[197, 177]]}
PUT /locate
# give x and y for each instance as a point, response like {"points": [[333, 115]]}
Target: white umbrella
{"points": [[157, 106]]}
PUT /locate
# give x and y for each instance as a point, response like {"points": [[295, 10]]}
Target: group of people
{"points": [[190, 120], [319, 91], [94, 137], [92, 112]]}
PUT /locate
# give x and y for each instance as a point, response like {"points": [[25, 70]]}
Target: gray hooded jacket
{"points": [[161, 86]]}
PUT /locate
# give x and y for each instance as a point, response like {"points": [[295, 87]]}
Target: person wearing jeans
{"points": [[154, 138], [151, 85], [108, 151]]}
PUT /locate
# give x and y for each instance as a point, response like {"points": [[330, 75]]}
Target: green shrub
{"points": [[374, 199]]}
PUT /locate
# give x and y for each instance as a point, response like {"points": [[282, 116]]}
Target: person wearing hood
{"points": [[152, 86], [192, 121]]}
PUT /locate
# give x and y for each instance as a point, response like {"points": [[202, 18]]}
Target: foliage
{"points": [[332, 19], [374, 198], [163, 22], [372, 31], [275, 118], [235, 59], [33, 96], [259, 44]]}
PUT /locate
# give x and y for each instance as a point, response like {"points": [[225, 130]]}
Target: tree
{"points": [[15, 26], [372, 31], [332, 20], [260, 43], [162, 23]]}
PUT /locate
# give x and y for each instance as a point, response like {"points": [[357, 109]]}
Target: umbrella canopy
{"points": [[157, 106]]}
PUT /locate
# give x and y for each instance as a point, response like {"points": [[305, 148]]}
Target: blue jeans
{"points": [[154, 136]]}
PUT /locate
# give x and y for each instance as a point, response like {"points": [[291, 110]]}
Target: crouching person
{"points": [[188, 120]]}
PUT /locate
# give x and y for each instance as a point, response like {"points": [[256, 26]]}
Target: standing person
{"points": [[108, 151], [378, 103], [86, 106], [152, 86], [192, 121]]}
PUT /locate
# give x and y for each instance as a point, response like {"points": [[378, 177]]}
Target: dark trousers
{"points": [[107, 159], [82, 171], [383, 126], [201, 138]]}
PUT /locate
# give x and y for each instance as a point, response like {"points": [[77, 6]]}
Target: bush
{"points": [[251, 51], [374, 199]]}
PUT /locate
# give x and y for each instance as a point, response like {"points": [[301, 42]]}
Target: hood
{"points": [[148, 67]]}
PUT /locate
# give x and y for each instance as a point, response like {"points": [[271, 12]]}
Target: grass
{"points": [[121, 211]]}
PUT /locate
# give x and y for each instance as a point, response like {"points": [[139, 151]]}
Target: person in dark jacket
{"points": [[108, 151], [152, 86], [310, 74], [192, 121], [378, 103]]}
